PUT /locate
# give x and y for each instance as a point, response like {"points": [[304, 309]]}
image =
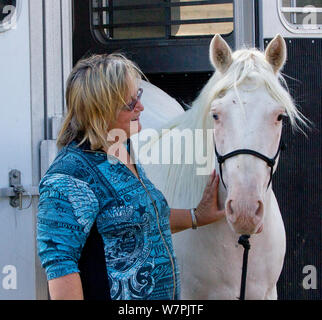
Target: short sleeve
{"points": [[67, 210]]}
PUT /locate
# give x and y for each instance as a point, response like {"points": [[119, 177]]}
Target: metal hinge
{"points": [[16, 191]]}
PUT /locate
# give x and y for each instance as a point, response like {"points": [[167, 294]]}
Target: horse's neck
{"points": [[184, 187], [183, 184]]}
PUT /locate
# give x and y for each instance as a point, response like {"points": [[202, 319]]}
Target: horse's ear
{"points": [[276, 53], [220, 54]]}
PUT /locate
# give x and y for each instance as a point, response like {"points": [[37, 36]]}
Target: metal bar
{"points": [[244, 20], [100, 14], [174, 22], [167, 16], [301, 10], [195, 21], [162, 5], [293, 16], [28, 191], [53, 61], [111, 19]]}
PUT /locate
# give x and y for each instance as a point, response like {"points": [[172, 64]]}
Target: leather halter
{"points": [[270, 161], [244, 239]]}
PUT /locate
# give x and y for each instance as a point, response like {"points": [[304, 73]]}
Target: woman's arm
{"points": [[67, 210], [207, 211], [180, 219], [68, 287]]}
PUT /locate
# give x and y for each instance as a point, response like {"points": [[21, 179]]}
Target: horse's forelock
{"points": [[249, 63]]}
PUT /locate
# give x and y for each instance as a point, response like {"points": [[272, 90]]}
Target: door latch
{"points": [[15, 183], [16, 191]]}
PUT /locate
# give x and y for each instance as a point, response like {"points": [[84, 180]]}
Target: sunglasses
{"points": [[133, 103]]}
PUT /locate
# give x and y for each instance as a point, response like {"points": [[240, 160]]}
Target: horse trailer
{"points": [[41, 40]]}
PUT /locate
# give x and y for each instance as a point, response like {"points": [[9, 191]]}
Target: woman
{"points": [[104, 230]]}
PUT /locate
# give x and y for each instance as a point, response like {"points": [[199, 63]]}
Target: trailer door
{"points": [[35, 59], [17, 254]]}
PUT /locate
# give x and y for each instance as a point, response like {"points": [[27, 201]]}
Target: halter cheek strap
{"points": [[270, 161]]}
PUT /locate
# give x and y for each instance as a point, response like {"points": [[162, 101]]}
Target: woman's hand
{"points": [[207, 211]]}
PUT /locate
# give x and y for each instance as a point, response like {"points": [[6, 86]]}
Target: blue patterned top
{"points": [[83, 187]]}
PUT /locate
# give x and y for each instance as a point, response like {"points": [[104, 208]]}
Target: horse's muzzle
{"points": [[245, 216]]}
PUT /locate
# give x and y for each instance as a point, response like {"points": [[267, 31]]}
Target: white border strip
{"points": [[301, 10]]}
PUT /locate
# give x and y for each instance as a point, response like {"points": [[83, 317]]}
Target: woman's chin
{"points": [[136, 127]]}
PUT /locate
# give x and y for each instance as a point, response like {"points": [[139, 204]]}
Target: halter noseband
{"points": [[270, 161]]}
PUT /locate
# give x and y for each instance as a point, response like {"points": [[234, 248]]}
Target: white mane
{"points": [[180, 184]]}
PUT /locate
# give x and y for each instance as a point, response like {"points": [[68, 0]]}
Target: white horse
{"points": [[242, 107]]}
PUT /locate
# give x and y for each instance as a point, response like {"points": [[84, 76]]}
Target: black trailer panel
{"points": [[297, 183]]}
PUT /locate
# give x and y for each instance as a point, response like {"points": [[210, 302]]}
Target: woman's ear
{"points": [[220, 54], [276, 53]]}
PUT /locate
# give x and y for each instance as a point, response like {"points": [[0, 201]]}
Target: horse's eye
{"points": [[215, 116], [281, 117]]}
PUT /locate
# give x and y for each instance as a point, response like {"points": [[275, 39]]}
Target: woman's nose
{"points": [[139, 106]]}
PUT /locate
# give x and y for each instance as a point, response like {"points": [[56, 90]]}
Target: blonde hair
{"points": [[96, 91]]}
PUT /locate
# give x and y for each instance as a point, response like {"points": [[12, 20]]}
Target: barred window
{"points": [[157, 19], [301, 15]]}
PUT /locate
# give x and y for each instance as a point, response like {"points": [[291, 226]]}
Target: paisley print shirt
{"points": [[132, 217]]}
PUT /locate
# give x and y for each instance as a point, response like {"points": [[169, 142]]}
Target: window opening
{"points": [[155, 19], [301, 16]]}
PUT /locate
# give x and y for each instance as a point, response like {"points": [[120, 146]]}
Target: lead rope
{"points": [[243, 240]]}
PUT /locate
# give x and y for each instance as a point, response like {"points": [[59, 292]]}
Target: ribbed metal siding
{"points": [[297, 183]]}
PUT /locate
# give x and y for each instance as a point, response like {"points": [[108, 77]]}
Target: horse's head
{"points": [[248, 104]]}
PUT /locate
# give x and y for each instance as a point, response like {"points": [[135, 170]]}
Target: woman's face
{"points": [[129, 121]]}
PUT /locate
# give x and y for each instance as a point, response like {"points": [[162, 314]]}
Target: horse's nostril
{"points": [[230, 210], [260, 210]]}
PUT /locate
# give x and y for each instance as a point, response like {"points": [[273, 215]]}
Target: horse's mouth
{"points": [[246, 229], [260, 229]]}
